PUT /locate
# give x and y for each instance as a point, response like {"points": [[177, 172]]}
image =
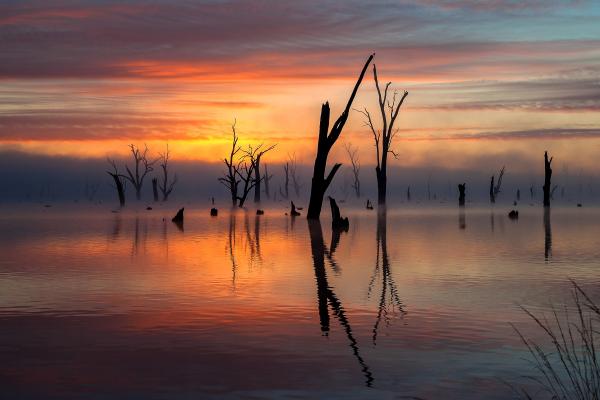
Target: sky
{"points": [[490, 82]]}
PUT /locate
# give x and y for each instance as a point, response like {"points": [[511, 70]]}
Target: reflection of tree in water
{"points": [[547, 234], [231, 247], [389, 300], [253, 238], [325, 295]]}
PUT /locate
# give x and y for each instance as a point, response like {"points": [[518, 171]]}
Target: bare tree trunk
{"points": [[118, 179], [492, 197], [257, 180], [461, 194], [320, 183], [120, 189], [155, 188], [547, 179], [267, 179]]}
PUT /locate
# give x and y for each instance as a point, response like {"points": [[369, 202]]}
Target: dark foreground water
{"points": [[413, 303]]}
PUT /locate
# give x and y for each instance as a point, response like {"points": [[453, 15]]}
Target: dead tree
{"points": [[255, 157], [267, 180], [461, 194], [495, 189], [155, 188], [285, 194], [90, 190], [327, 139], [244, 171], [230, 180], [408, 194], [353, 155], [547, 179], [293, 165], [142, 166], [383, 138], [119, 182], [166, 184]]}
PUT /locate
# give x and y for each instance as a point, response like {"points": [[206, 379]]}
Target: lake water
{"points": [[417, 302]]}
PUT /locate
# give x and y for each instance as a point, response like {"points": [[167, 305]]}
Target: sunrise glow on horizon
{"points": [[496, 79]]}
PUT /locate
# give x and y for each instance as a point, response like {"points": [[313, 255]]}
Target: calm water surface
{"points": [[413, 303]]}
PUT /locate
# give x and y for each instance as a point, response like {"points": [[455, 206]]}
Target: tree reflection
{"points": [[547, 234], [389, 300], [325, 295], [231, 246]]}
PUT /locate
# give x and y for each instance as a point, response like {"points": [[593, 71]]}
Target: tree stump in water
{"points": [[514, 214], [178, 218], [337, 222], [369, 205], [293, 212], [214, 212]]}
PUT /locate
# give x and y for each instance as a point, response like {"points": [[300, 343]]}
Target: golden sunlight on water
{"points": [[417, 301]]}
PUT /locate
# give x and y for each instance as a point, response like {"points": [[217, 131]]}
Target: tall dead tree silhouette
{"points": [[166, 184], [353, 155], [255, 158], [142, 166], [230, 179], [118, 180], [327, 139], [383, 138], [495, 189], [547, 179]]}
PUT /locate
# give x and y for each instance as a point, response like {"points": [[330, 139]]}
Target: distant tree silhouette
{"points": [[267, 179], [293, 168], [90, 190], [255, 158], [141, 167], [495, 189], [461, 194], [285, 194], [166, 184], [547, 178], [353, 155], [230, 179], [118, 180], [326, 140], [155, 188], [408, 193], [383, 138]]}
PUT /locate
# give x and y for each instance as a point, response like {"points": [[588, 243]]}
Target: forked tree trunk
{"points": [[547, 179], [320, 183]]}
